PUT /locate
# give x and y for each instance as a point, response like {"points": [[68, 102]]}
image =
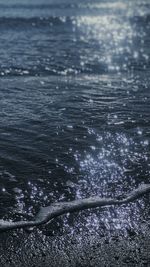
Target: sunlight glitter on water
{"points": [[75, 123], [115, 39], [111, 37], [110, 164]]}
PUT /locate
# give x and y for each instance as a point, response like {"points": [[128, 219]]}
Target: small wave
{"points": [[56, 70], [34, 21], [53, 71], [40, 6]]}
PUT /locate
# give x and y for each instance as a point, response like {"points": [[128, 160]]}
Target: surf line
{"points": [[48, 213]]}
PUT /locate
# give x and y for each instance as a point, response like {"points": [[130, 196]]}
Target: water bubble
{"points": [[135, 54], [139, 131], [146, 142]]}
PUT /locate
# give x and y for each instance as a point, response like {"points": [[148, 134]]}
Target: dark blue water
{"points": [[74, 108]]}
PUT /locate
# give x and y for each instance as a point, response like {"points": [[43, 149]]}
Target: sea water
{"points": [[74, 109]]}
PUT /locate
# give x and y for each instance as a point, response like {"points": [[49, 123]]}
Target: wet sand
{"points": [[36, 249]]}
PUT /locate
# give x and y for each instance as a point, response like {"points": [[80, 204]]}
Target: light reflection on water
{"points": [[116, 42], [88, 156], [79, 126]]}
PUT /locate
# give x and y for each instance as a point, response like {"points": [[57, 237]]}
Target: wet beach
{"points": [[75, 123]]}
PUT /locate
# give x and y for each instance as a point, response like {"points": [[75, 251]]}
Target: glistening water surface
{"points": [[74, 109]]}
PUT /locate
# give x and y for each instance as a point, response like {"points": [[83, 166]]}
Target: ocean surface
{"points": [[74, 110]]}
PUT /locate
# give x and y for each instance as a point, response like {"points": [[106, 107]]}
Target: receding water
{"points": [[74, 109]]}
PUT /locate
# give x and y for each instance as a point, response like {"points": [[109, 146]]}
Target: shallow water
{"points": [[75, 109]]}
